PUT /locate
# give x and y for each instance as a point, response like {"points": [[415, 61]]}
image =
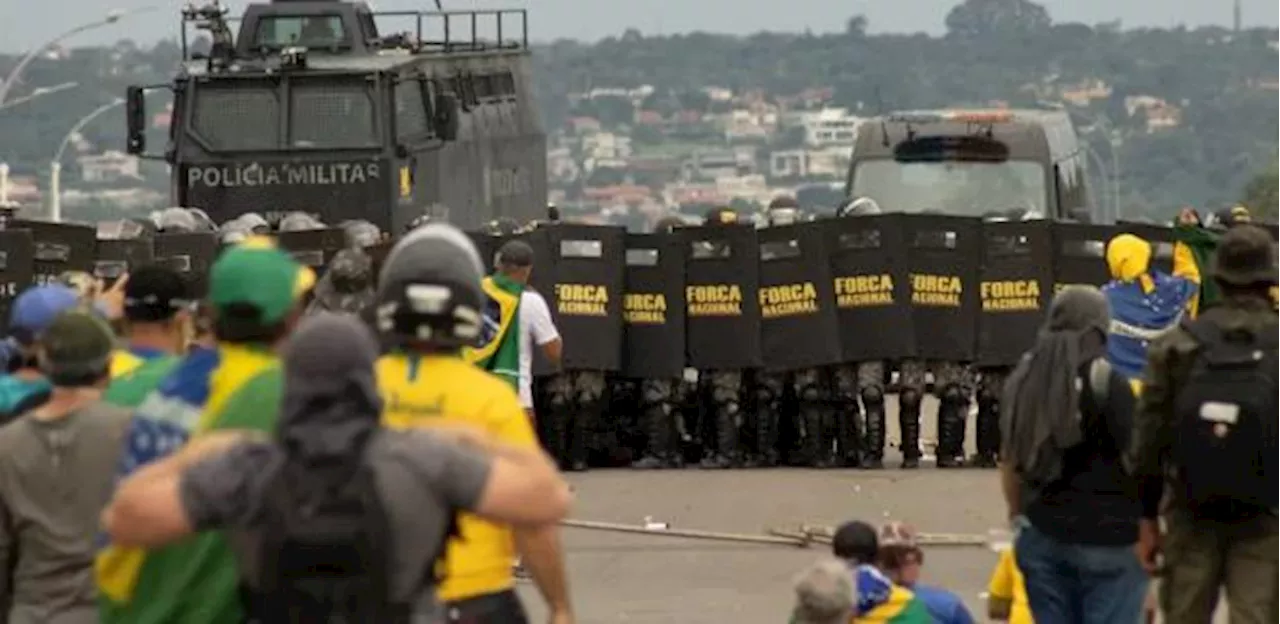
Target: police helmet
{"points": [[418, 222], [299, 221], [668, 224], [429, 289], [859, 207], [176, 221], [360, 233], [255, 222], [720, 216], [203, 222], [505, 226], [784, 201]]}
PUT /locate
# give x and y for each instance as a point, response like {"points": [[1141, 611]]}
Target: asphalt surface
{"points": [[655, 579], [643, 579]]}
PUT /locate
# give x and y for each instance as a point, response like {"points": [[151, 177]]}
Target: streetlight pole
{"points": [[55, 167], [111, 18], [37, 94]]}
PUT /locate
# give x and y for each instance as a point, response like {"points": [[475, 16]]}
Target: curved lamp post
{"points": [[110, 18], [55, 167]]}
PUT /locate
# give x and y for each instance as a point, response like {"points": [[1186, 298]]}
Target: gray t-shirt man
{"points": [[422, 480], [56, 475]]}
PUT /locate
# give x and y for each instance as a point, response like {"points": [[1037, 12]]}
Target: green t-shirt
{"points": [[130, 389]]}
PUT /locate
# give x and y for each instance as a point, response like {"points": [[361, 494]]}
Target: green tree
{"points": [[1260, 195], [996, 18]]}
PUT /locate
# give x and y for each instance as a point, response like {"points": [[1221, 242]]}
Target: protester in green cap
{"points": [[256, 295]]}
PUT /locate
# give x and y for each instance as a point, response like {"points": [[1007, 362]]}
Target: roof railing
{"points": [[466, 31]]}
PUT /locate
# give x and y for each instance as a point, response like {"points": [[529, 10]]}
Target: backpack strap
{"points": [[1100, 381]]}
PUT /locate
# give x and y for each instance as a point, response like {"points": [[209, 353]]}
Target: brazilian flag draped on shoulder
{"points": [[881, 601], [498, 350]]}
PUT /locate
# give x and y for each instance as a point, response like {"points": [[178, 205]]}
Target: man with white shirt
{"points": [[514, 261]]}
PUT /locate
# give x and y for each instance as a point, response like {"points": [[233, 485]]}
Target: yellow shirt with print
{"points": [[1007, 584], [421, 391]]}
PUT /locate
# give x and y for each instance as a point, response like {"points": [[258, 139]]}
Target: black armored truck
{"points": [[309, 107]]}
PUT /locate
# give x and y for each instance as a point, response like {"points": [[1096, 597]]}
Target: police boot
{"points": [[909, 424], [657, 429], [727, 453], [848, 424], [873, 443], [817, 444], [578, 433], [767, 436], [952, 413], [987, 431]]}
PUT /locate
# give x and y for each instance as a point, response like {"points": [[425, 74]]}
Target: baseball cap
{"points": [[36, 308], [824, 594], [154, 293], [1246, 255], [75, 349], [258, 274]]}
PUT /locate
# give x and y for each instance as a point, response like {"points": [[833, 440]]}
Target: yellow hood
{"points": [[1129, 260]]}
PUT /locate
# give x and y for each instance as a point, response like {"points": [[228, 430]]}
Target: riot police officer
{"points": [[951, 384], [659, 402], [862, 381], [723, 388]]}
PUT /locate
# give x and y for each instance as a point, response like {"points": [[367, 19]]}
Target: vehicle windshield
{"points": [[247, 114], [967, 188], [313, 31]]}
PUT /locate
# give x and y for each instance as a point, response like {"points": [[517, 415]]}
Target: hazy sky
{"points": [[39, 20]]}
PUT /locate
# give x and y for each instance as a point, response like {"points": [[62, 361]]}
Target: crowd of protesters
{"points": [[252, 456]]}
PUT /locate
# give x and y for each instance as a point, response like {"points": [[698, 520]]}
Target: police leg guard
{"points": [[873, 442], [767, 416], [848, 428], [953, 411], [556, 421], [727, 451], [657, 442], [987, 429], [909, 424]]}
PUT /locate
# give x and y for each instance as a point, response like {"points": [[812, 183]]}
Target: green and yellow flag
{"points": [[499, 348]]}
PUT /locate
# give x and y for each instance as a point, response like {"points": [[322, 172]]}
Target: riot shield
{"points": [[585, 296], [116, 257], [1015, 289], [1080, 254], [313, 248], [722, 301], [486, 245], [59, 247], [868, 263], [654, 307], [943, 253], [1161, 239], [191, 255], [17, 269], [798, 323]]}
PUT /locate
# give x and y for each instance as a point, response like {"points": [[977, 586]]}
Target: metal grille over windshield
{"points": [[237, 116], [332, 116]]}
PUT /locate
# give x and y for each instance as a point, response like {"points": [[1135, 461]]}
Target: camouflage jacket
{"points": [[1169, 360]]}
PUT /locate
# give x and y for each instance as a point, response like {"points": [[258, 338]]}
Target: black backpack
{"points": [[326, 549], [1225, 448]]}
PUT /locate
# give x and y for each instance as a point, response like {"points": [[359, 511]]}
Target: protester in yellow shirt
{"points": [[429, 305], [1007, 592]]}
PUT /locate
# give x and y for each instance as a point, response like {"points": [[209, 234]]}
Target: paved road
{"points": [[652, 580], [638, 579]]}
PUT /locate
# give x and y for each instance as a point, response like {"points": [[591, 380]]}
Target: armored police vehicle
{"points": [[310, 107], [982, 163]]}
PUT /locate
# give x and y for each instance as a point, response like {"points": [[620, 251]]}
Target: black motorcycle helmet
{"points": [[429, 290]]}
